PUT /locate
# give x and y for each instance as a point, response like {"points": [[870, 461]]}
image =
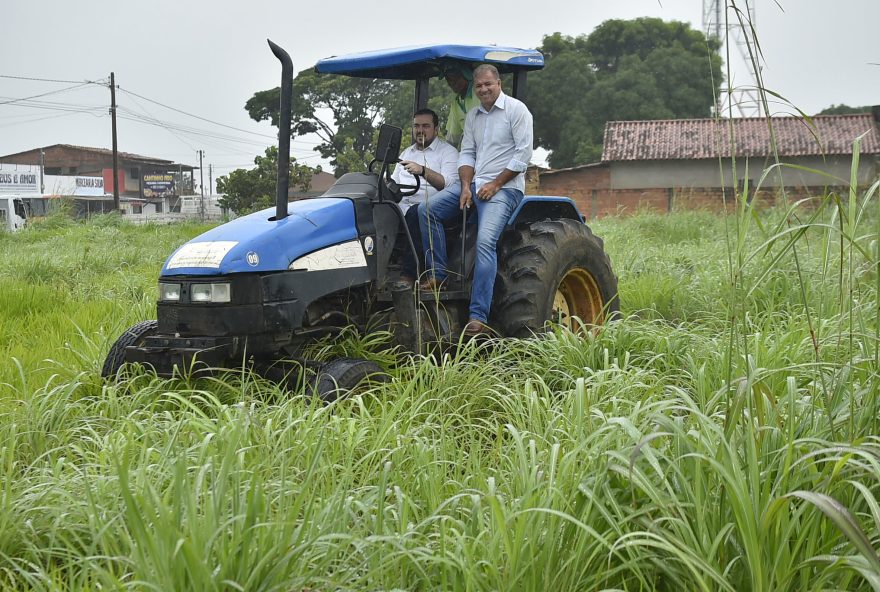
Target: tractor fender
{"points": [[533, 208]]}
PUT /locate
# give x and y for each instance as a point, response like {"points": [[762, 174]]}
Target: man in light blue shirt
{"points": [[495, 152]]}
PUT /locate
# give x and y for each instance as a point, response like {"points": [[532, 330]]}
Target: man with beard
{"points": [[436, 162]]}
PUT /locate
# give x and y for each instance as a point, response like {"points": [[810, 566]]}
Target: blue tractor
{"points": [[259, 289]]}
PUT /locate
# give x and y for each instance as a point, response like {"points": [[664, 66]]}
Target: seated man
{"points": [[495, 153], [436, 162]]}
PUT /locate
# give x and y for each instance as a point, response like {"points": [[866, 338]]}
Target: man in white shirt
{"points": [[436, 162], [495, 152]]}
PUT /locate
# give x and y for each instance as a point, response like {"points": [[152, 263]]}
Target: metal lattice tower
{"points": [[723, 22]]}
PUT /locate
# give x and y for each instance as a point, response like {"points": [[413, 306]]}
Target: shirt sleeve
{"points": [[395, 176], [468, 155], [449, 165], [521, 126]]}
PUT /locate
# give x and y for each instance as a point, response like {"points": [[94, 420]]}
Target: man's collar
{"points": [[428, 147], [500, 102]]}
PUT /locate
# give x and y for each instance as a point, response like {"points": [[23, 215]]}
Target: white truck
{"points": [[13, 213]]}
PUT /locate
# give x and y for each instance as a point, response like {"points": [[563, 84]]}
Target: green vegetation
{"points": [[248, 190], [723, 436]]}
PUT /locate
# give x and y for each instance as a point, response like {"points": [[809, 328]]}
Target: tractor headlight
{"points": [[210, 293], [169, 292]]}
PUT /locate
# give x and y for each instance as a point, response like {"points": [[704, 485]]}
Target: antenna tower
{"points": [[721, 21]]}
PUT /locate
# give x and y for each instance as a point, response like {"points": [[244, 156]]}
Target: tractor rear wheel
{"points": [[133, 336], [342, 376], [552, 271]]}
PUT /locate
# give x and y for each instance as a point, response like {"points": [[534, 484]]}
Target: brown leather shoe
{"points": [[475, 327], [431, 284]]}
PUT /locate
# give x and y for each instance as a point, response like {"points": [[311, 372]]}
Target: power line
{"points": [[167, 128], [52, 80], [238, 129], [45, 94]]}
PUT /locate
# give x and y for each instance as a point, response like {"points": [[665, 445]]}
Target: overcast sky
{"points": [[208, 58]]}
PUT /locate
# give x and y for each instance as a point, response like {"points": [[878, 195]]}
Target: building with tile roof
{"points": [[690, 162]]}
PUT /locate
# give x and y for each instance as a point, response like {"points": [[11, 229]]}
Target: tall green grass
{"points": [[722, 436], [656, 454]]}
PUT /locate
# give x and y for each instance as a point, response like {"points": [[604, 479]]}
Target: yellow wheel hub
{"points": [[578, 301]]}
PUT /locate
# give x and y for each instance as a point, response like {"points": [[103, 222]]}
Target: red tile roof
{"points": [[679, 139]]}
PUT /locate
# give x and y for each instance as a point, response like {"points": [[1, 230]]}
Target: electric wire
{"points": [[98, 82], [45, 94], [146, 118], [238, 129]]}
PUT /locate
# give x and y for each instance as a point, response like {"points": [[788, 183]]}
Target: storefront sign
{"points": [[158, 184], [19, 178]]}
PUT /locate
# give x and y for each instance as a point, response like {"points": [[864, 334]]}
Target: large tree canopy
{"points": [[624, 70]]}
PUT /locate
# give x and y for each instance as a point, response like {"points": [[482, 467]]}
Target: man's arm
{"points": [[467, 160], [521, 128], [466, 176], [433, 177]]}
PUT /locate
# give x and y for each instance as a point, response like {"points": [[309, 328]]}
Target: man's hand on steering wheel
{"points": [[409, 166]]}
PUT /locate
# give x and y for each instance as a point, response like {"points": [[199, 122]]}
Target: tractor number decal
{"points": [[203, 254], [253, 259], [341, 256]]}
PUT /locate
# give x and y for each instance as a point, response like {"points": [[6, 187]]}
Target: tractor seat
{"points": [[354, 185]]}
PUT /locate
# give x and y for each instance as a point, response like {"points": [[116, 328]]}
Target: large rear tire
{"points": [[343, 376], [556, 271], [133, 336]]}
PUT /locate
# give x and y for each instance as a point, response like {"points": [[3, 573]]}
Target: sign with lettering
{"points": [[19, 178], [76, 186], [158, 184]]}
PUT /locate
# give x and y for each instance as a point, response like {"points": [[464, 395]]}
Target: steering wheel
{"points": [[398, 190], [407, 190]]}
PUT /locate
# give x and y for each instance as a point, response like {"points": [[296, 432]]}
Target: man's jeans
{"points": [[492, 217]]}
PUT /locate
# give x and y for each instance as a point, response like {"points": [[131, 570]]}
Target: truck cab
{"points": [[13, 213]]}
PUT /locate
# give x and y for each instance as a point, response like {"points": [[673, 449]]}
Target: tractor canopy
{"points": [[429, 61]]}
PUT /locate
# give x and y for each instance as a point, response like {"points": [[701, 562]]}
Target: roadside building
{"points": [[689, 163], [147, 185]]}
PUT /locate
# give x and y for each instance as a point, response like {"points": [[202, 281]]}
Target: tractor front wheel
{"points": [[133, 336], [343, 376]]}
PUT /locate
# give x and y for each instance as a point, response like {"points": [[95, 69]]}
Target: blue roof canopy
{"points": [[427, 61]]}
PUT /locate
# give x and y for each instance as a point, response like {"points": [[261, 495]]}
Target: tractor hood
{"points": [[259, 243]]}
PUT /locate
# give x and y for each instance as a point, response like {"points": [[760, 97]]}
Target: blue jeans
{"points": [[409, 259], [492, 217]]}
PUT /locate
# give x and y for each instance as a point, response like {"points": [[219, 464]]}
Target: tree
{"points": [[247, 191], [355, 107], [624, 70]]}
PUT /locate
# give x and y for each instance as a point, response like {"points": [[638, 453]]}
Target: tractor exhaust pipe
{"points": [[281, 186]]}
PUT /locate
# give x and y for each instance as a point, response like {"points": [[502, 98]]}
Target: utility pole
{"points": [[42, 168], [210, 179], [202, 184], [115, 150]]}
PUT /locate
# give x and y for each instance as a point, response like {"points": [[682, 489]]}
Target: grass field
{"points": [[722, 436]]}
